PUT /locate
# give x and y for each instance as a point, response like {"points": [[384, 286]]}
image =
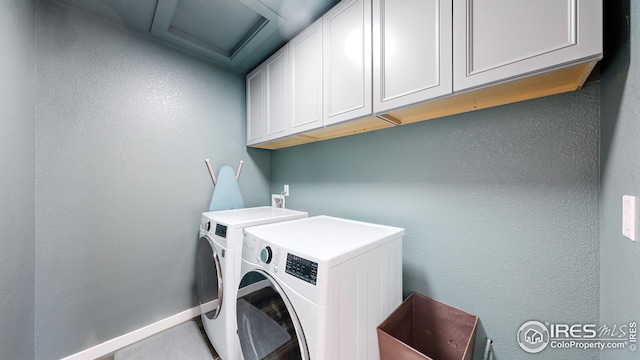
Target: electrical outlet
{"points": [[277, 201], [286, 190]]}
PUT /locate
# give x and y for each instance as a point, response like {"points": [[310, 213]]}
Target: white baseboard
{"points": [[114, 344]]}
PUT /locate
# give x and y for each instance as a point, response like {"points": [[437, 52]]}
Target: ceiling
{"points": [[237, 34]]}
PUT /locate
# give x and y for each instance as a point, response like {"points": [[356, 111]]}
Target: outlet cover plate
{"points": [[629, 217]]}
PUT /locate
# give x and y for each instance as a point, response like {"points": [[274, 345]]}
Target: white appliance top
{"points": [[326, 238], [252, 216]]}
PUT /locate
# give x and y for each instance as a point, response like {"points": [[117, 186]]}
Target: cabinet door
{"points": [[495, 40], [412, 49], [305, 61], [347, 61], [277, 95], [255, 106]]}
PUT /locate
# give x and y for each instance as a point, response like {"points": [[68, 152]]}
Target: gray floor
{"points": [[198, 321]]}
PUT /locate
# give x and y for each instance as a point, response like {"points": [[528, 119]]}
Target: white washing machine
{"points": [[317, 288], [218, 269]]}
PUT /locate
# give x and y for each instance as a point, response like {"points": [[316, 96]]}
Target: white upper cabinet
{"points": [[497, 40], [412, 50], [255, 106], [404, 61], [277, 96], [305, 61], [268, 99], [347, 61]]}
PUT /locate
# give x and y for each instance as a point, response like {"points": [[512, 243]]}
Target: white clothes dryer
{"points": [[317, 288], [218, 255]]}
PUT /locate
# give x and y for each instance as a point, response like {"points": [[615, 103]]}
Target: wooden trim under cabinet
{"points": [[555, 82], [330, 132]]}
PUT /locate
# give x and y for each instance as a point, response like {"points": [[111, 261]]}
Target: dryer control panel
{"points": [[221, 230], [302, 268]]}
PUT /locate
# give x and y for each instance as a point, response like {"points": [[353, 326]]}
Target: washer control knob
{"points": [[266, 255], [208, 226]]}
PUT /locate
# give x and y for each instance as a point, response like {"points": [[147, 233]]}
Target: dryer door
{"points": [[268, 327], [208, 278]]}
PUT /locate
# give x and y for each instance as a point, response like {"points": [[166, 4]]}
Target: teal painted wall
{"points": [[500, 205], [620, 169], [17, 77], [123, 125], [500, 208]]}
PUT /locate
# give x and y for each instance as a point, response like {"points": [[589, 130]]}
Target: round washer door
{"points": [[268, 327], [208, 278]]}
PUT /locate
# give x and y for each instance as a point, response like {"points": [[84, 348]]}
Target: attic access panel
{"points": [[226, 31]]}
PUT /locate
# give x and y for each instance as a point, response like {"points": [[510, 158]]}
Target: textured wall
{"points": [[500, 207], [16, 178], [123, 125], [620, 169]]}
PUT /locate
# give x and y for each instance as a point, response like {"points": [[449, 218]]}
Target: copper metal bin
{"points": [[423, 328]]}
